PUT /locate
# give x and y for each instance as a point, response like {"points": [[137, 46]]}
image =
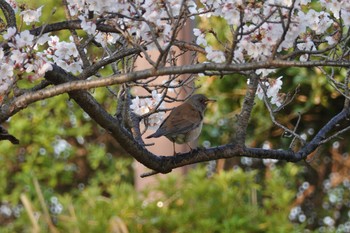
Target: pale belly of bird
{"points": [[186, 137]]}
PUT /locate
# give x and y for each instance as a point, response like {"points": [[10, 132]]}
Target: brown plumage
{"points": [[185, 121]]}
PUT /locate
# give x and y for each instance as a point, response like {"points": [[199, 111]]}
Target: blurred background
{"points": [[68, 175]]}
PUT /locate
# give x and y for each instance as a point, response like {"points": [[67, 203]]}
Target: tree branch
{"points": [[9, 14], [9, 109], [244, 116], [321, 135], [165, 164], [69, 25], [111, 124]]}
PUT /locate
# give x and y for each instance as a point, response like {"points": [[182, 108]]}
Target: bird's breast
{"points": [[187, 137]]}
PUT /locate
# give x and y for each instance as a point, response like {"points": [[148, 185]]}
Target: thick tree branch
{"points": [[9, 13], [235, 150], [322, 134], [244, 116], [111, 124], [164, 164]]}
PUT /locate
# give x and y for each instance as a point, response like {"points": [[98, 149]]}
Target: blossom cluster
{"points": [[271, 88], [64, 54], [142, 106], [262, 25], [266, 28], [33, 55], [148, 21], [25, 57]]}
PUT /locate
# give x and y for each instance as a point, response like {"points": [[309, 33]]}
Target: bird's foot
{"points": [[195, 150]]}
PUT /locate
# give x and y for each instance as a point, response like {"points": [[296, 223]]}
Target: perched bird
{"points": [[184, 122]]}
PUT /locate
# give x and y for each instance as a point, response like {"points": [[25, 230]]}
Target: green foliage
{"points": [[230, 201], [223, 203]]}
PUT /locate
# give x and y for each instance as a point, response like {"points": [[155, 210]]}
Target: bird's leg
{"points": [[189, 147], [174, 148]]}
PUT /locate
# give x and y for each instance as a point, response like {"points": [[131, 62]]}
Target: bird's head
{"points": [[199, 101]]}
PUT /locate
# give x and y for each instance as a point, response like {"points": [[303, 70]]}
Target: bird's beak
{"points": [[210, 101]]}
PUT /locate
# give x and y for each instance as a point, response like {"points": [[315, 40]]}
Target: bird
{"points": [[184, 123]]}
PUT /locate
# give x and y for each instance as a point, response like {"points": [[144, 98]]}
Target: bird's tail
{"points": [[157, 134]]}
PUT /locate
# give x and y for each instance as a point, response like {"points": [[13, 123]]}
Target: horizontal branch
{"points": [[235, 150], [28, 98], [9, 109], [224, 152]]}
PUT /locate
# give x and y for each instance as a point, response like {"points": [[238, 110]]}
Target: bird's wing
{"points": [[181, 120]]}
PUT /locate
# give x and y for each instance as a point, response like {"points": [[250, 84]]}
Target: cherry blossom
{"points": [[334, 6], [106, 38], [88, 26], [271, 89], [6, 77], [40, 66], [30, 16], [274, 87], [42, 39], [6, 70], [53, 41], [23, 39], [200, 37], [64, 54], [215, 55], [145, 105], [11, 31], [277, 99], [18, 57], [308, 45]]}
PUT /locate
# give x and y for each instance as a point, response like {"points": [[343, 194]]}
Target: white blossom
{"points": [[30, 16], [18, 57], [145, 105], [106, 38], [1, 53], [274, 87], [39, 67], [88, 26], [11, 31], [6, 77], [24, 39], [215, 55], [6, 71]]}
